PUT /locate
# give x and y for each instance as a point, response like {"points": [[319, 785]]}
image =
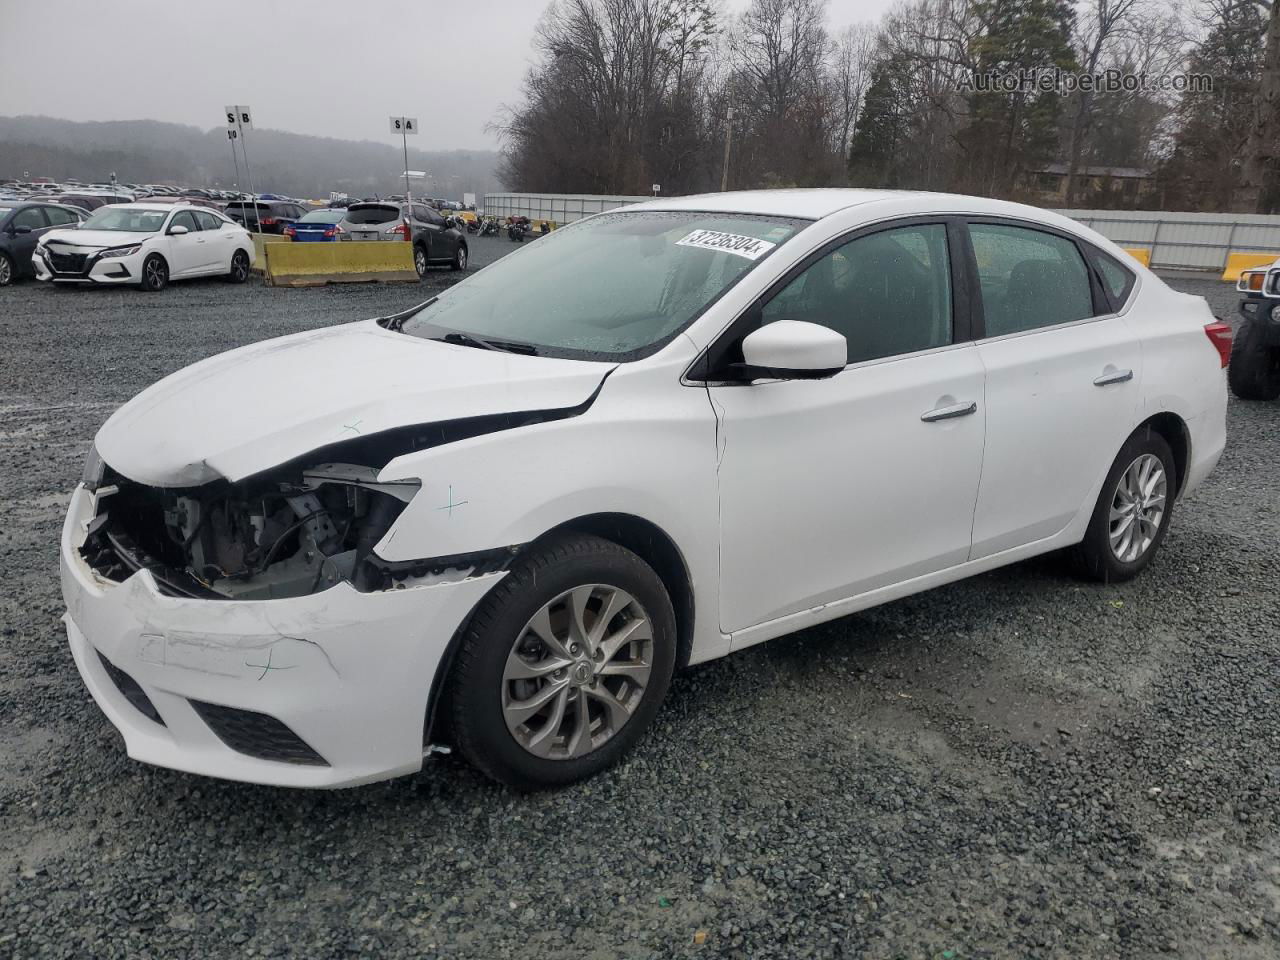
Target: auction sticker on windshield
{"points": [[734, 243]]}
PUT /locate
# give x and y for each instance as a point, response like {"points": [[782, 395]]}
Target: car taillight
{"points": [[290, 232], [331, 232], [402, 228], [1219, 335], [268, 221]]}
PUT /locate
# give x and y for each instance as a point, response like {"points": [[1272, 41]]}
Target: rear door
{"points": [[1063, 376], [442, 242], [218, 244]]}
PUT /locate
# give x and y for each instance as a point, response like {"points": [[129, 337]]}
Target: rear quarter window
{"points": [[1117, 279]]}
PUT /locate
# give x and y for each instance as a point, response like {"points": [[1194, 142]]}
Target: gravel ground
{"points": [[1020, 765]]}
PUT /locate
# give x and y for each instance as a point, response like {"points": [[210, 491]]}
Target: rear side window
{"points": [[59, 217], [372, 213], [1029, 279], [1117, 280], [208, 221]]}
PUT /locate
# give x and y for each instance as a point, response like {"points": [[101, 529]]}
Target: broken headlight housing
{"points": [[286, 533]]}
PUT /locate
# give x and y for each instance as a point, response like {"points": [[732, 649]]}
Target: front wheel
{"points": [[1254, 370], [239, 267], [155, 273], [460, 257], [420, 260], [563, 665], [1132, 514]]}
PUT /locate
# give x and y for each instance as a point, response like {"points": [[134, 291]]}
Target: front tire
{"points": [[239, 272], [155, 273], [1133, 511], [460, 258], [563, 665], [1254, 370]]}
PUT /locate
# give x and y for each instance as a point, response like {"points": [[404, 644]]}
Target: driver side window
{"points": [[888, 293]]}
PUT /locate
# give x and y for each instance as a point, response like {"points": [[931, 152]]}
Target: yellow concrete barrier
{"points": [[1141, 254], [1237, 262], [312, 264], [260, 240]]}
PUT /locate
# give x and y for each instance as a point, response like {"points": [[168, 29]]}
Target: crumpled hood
{"points": [[255, 407], [95, 239]]}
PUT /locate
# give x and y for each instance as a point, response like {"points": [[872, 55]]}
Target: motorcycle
{"points": [[517, 229], [489, 228]]}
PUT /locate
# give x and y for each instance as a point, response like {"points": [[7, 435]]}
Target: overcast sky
{"points": [[300, 64]]}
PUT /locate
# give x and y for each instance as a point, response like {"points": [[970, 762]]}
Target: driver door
{"points": [[833, 488], [186, 251]]}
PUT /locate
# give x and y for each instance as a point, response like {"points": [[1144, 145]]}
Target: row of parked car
{"points": [[148, 243]]}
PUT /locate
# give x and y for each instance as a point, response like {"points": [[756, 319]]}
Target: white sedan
{"points": [[308, 561], [146, 245]]}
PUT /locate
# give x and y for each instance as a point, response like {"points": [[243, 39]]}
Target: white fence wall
{"points": [[1177, 241], [560, 207], [1185, 241]]}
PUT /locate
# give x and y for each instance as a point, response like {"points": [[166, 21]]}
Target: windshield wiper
{"points": [[505, 346], [396, 320]]}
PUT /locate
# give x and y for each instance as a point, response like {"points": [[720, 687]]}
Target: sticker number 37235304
{"points": [[734, 243]]}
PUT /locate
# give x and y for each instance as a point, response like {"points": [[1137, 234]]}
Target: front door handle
{"points": [[1115, 376], [951, 412]]}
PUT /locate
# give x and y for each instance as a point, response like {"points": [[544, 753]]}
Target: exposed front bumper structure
{"points": [[323, 690]]}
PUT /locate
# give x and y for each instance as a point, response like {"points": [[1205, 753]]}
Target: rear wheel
{"points": [[7, 275], [1254, 370], [239, 267], [460, 257], [420, 260], [563, 665], [1133, 511], [155, 273]]}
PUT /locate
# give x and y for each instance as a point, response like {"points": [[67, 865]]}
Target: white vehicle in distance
{"points": [[307, 561], [147, 245]]}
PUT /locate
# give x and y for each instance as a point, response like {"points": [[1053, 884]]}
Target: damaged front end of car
{"points": [[290, 532]]}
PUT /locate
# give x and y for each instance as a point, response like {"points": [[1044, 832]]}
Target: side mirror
{"points": [[21, 229], [177, 230], [792, 350]]}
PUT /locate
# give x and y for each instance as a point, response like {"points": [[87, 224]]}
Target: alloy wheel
{"points": [[420, 260], [1137, 508], [155, 273], [240, 267], [6, 271], [462, 258], [577, 672]]}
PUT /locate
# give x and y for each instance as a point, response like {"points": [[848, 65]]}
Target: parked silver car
{"points": [[434, 241]]}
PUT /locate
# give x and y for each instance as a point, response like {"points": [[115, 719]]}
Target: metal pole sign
{"points": [[235, 157], [405, 126], [240, 118]]}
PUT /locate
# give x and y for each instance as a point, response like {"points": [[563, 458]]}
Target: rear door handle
{"points": [[951, 412], [1115, 376]]}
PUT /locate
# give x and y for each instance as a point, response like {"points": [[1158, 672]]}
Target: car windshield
{"points": [[616, 286], [127, 220], [323, 216]]}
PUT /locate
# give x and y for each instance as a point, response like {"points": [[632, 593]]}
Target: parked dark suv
{"points": [[275, 214], [434, 241], [22, 223]]}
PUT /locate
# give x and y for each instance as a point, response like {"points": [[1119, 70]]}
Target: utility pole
{"points": [[235, 158], [728, 139]]}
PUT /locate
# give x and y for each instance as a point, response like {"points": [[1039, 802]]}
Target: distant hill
{"points": [[148, 151]]}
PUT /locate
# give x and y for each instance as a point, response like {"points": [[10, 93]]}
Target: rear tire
{"points": [[1254, 370], [239, 267], [8, 272], [615, 678], [420, 260], [1144, 466], [155, 274]]}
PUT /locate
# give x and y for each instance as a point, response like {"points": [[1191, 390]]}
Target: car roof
{"points": [[157, 207], [819, 202]]}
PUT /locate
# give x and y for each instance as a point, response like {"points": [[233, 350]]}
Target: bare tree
{"points": [[850, 75]]}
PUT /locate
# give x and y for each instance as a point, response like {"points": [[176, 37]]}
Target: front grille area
{"points": [[67, 262], [131, 691], [257, 735]]}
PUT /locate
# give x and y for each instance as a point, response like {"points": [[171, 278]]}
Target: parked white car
{"points": [[147, 245], [502, 518]]}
